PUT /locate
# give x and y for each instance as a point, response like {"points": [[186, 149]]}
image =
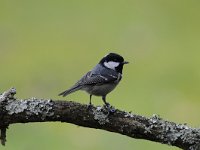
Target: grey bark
{"points": [[39, 110]]}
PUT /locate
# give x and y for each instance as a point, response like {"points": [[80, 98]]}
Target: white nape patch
{"points": [[111, 64]]}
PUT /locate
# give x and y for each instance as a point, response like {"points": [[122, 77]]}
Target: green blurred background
{"points": [[46, 46]]}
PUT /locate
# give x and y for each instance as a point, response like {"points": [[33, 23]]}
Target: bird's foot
{"points": [[89, 106], [110, 108], [107, 104]]}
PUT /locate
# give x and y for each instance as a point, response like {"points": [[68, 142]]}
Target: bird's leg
{"points": [[104, 100], [90, 103]]}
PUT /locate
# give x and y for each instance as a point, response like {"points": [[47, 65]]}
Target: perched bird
{"points": [[102, 79]]}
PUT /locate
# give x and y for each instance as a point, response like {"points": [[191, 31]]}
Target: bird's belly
{"points": [[100, 90]]}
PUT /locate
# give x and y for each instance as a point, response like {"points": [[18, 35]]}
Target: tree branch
{"points": [[135, 126]]}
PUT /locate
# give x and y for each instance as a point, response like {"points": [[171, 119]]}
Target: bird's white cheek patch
{"points": [[111, 64]]}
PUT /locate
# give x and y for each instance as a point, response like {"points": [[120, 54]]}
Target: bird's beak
{"points": [[125, 62]]}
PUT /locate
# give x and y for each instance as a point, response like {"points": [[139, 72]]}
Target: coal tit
{"points": [[102, 79]]}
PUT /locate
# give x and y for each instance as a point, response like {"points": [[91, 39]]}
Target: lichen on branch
{"points": [[136, 126]]}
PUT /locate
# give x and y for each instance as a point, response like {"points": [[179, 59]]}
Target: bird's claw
{"points": [[111, 109], [107, 105], [89, 106]]}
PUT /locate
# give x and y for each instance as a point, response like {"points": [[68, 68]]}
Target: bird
{"points": [[102, 79]]}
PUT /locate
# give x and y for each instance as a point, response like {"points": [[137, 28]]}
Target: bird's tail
{"points": [[69, 91]]}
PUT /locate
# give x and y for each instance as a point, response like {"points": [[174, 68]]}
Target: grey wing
{"points": [[76, 86], [96, 79], [92, 79]]}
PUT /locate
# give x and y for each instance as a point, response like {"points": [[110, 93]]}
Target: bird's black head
{"points": [[113, 61]]}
